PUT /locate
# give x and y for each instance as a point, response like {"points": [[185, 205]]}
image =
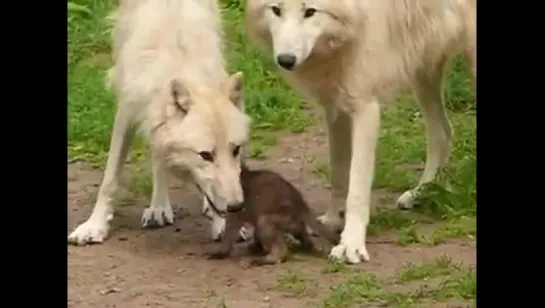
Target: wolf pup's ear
{"points": [[181, 95], [235, 88]]}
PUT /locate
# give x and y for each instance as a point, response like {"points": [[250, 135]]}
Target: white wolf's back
{"points": [[156, 41]]}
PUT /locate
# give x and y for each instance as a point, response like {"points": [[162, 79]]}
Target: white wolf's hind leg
{"points": [[340, 152], [429, 94], [159, 213], [365, 132], [95, 229], [217, 224]]}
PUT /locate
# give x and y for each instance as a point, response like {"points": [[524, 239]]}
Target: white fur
{"points": [[351, 55], [170, 81], [218, 224]]}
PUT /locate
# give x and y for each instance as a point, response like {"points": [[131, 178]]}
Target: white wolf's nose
{"points": [[286, 60], [235, 207]]}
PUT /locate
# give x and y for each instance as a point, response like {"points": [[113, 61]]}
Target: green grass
{"points": [[413, 285]]}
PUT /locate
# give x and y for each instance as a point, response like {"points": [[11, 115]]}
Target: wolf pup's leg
{"points": [[217, 224], [340, 152], [428, 92], [307, 245], [273, 243], [95, 229], [255, 247], [160, 211], [365, 132]]}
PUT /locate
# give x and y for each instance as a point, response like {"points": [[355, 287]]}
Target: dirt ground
{"points": [[165, 267]]}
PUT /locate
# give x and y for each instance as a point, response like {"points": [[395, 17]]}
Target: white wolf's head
{"points": [[297, 29], [205, 135]]}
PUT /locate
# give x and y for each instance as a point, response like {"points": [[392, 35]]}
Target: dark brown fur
{"points": [[274, 207]]}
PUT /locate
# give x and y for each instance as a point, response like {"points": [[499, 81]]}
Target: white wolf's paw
{"points": [[351, 253], [352, 247], [91, 231], [407, 200], [159, 216]]}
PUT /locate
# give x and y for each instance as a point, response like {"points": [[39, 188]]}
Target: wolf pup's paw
{"points": [[218, 254], [266, 260], [257, 262], [319, 252], [245, 233], [256, 248]]}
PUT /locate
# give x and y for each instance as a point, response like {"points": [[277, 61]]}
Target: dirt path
{"points": [[165, 267]]}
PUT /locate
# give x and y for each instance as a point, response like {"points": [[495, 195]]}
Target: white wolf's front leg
{"points": [[217, 224], [340, 152], [365, 131], [159, 212], [95, 229]]}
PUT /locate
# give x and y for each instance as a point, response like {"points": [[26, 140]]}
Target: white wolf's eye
{"points": [[309, 12], [276, 10], [236, 150], [208, 156]]}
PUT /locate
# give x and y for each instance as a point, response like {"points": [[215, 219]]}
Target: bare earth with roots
{"points": [[165, 267]]}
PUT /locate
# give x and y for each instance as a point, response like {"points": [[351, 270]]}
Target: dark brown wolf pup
{"points": [[274, 207]]}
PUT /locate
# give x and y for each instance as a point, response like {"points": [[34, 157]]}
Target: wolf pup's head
{"points": [[208, 139], [297, 29]]}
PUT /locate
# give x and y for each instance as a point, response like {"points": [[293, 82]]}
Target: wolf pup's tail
{"points": [[316, 226]]}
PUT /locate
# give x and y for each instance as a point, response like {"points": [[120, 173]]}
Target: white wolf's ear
{"points": [[181, 95], [235, 88]]}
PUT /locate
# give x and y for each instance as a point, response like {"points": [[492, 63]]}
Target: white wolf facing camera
{"points": [[349, 56], [170, 81]]}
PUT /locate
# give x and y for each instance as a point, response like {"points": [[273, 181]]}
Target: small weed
{"points": [[460, 285], [412, 235], [437, 267], [335, 267], [404, 300], [457, 228], [385, 219], [295, 285], [356, 289]]}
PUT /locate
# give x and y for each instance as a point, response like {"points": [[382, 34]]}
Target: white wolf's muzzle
{"points": [[230, 207]]}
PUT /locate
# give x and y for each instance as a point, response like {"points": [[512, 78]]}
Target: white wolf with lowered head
{"points": [[349, 56], [170, 82]]}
